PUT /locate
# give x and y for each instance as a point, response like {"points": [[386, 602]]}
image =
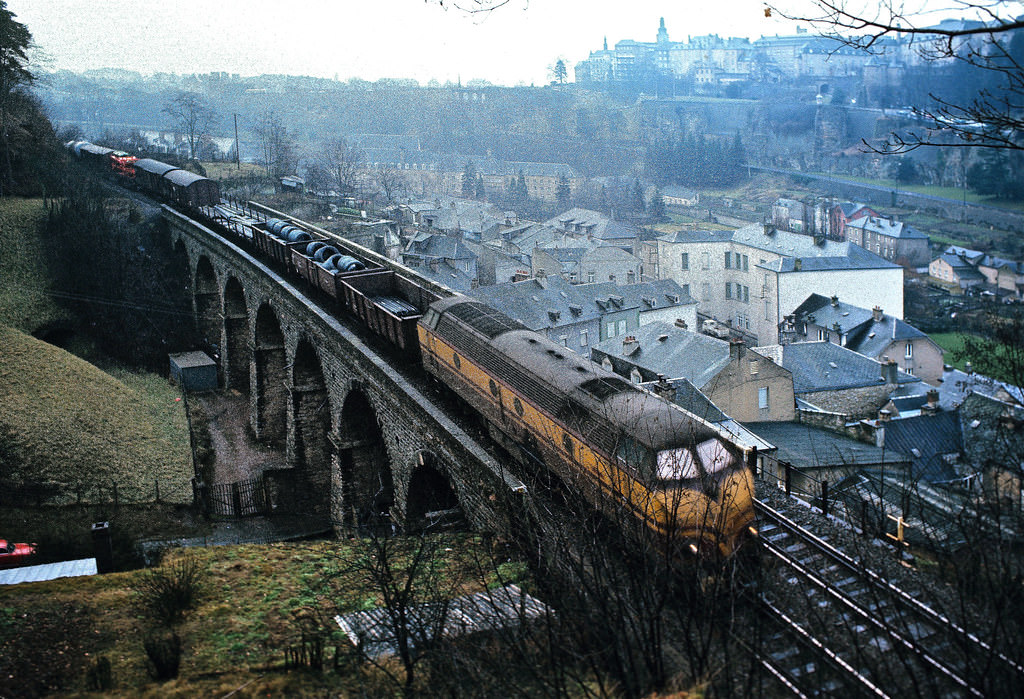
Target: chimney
{"points": [[890, 371], [629, 345], [876, 314], [680, 323], [968, 368], [932, 406], [884, 415], [664, 389], [736, 349], [835, 302]]}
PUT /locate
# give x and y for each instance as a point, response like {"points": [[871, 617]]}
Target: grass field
{"points": [[23, 272], [256, 601], [951, 343], [68, 422]]}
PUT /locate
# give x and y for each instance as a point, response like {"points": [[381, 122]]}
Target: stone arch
{"points": [[365, 492], [311, 422], [271, 375], [236, 337], [206, 292], [431, 500]]}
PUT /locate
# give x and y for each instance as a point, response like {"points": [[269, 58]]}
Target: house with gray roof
{"points": [[894, 240], [597, 226], [587, 264], [571, 315], [750, 278], [956, 271], [744, 385], [443, 258], [844, 212], [872, 333], [829, 378]]}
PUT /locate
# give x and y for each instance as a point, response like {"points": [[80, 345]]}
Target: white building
{"points": [[752, 277]]}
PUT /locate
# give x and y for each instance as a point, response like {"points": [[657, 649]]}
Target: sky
{"points": [[370, 39]]}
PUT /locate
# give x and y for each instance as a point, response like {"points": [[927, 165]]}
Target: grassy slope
{"points": [[72, 423], [258, 600], [23, 274]]}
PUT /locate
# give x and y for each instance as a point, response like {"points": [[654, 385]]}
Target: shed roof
{"points": [[48, 571]]}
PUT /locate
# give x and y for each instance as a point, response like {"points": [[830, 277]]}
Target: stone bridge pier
{"points": [[360, 439]]}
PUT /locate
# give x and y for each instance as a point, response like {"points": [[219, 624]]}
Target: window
{"points": [[821, 334], [583, 338], [622, 327], [746, 263], [610, 332], [910, 350], [762, 398], [572, 277], [611, 277], [746, 294], [705, 291], [767, 309], [565, 340], [728, 260], [630, 277], [684, 261], [728, 290], [590, 277], [705, 260], [634, 376], [686, 289]]}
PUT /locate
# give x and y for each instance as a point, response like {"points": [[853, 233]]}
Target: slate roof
{"points": [[439, 246], [814, 255], [540, 304], [883, 226], [673, 352], [824, 366], [648, 296], [925, 439], [961, 265], [864, 334], [48, 571], [601, 226], [957, 385], [811, 447], [445, 274], [849, 208]]}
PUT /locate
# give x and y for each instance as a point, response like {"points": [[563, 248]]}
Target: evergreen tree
{"points": [[15, 41], [563, 193], [468, 180], [521, 193], [657, 209], [481, 191], [636, 202]]}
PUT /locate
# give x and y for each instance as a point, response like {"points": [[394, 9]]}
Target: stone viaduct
{"points": [[361, 437]]}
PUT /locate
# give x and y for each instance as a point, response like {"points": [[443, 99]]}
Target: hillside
{"points": [[23, 267], [66, 421]]}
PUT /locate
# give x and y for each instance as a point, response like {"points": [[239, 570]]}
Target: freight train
{"points": [[627, 451]]}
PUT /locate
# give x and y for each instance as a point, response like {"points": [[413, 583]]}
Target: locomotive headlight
{"points": [[693, 548], [753, 531]]}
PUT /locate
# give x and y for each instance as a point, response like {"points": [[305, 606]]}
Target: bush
{"points": [[163, 649], [167, 592], [99, 677]]}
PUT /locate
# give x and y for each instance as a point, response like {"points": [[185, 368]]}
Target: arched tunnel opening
{"points": [[432, 503], [367, 491]]}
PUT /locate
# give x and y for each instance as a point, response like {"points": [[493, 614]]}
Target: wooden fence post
{"points": [[824, 498], [789, 479]]}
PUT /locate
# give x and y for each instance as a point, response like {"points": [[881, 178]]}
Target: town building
{"points": [[893, 240], [443, 258], [593, 225], [831, 380], [750, 278], [744, 385], [956, 270], [842, 214], [872, 333], [587, 265]]}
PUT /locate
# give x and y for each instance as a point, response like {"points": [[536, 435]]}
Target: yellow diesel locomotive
{"points": [[625, 449]]}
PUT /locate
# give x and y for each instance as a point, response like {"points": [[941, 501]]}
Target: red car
{"points": [[12, 554]]}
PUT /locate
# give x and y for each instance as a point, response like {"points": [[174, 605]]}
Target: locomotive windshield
{"points": [[679, 463]]}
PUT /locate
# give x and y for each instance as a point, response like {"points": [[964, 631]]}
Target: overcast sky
{"points": [[369, 39]]}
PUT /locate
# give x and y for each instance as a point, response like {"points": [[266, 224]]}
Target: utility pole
{"points": [[238, 164]]}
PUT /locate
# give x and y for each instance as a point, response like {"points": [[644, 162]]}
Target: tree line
{"points": [[697, 161]]}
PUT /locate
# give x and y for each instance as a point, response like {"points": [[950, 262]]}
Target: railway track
{"points": [[864, 635]]}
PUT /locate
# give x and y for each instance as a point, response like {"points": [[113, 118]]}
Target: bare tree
{"points": [[987, 42], [277, 149], [343, 162], [390, 183], [192, 117]]}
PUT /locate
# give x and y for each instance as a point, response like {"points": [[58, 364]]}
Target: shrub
{"points": [[99, 677], [167, 592], [163, 649]]}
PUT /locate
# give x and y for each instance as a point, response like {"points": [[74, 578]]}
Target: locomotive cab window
{"points": [[635, 455], [430, 318]]}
